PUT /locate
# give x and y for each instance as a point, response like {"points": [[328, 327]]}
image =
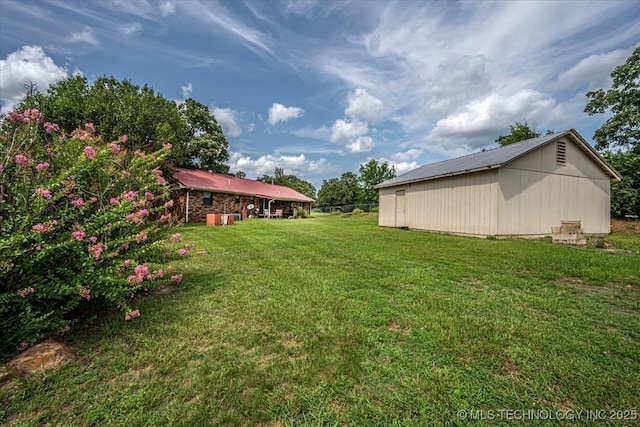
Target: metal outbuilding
{"points": [[522, 189]]}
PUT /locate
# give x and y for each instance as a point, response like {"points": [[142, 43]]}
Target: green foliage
{"points": [[339, 191], [291, 181], [81, 220], [625, 195], [149, 120], [519, 132], [622, 129], [373, 173], [206, 146]]}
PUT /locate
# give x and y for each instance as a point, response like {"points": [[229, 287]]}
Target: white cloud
{"points": [[343, 132], [363, 106], [399, 166], [280, 113], [592, 72], [27, 65], [361, 144], [484, 119], [297, 165], [167, 8], [132, 29], [404, 156], [228, 119], [186, 90], [85, 36]]}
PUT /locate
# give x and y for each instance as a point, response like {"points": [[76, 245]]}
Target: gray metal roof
{"points": [[490, 159]]}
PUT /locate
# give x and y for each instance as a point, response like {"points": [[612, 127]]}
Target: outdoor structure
{"points": [[200, 193], [523, 189]]}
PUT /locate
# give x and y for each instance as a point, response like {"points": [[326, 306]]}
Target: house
{"points": [[523, 189], [199, 193]]}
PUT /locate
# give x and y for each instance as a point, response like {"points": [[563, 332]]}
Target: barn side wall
{"points": [[536, 193], [465, 204]]}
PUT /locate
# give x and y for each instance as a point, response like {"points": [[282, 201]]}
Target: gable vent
{"points": [[561, 152]]}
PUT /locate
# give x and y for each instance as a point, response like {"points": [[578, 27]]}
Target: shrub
{"points": [[357, 211], [80, 220]]}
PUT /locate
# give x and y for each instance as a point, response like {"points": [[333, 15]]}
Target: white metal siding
{"points": [[387, 207], [530, 203], [459, 204], [537, 193]]}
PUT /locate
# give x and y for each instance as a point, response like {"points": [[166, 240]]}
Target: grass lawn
{"points": [[335, 321]]}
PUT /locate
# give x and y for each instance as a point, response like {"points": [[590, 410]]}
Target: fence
{"points": [[367, 207]]}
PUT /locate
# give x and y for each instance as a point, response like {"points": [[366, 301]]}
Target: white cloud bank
{"points": [[280, 113], [27, 65], [228, 119], [297, 165]]}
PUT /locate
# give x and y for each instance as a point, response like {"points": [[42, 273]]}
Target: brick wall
{"points": [[225, 203]]}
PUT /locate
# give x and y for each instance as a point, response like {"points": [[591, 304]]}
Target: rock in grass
{"points": [[46, 356]]}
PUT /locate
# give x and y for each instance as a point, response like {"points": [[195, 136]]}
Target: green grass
{"points": [[335, 321]]}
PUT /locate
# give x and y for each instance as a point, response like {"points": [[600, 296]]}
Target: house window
{"points": [[237, 200], [206, 198], [561, 153]]}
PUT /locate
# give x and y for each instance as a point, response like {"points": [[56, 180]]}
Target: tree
{"points": [[291, 181], [518, 132], [339, 191], [205, 145], [622, 129], [373, 173], [118, 107], [625, 195], [241, 174]]}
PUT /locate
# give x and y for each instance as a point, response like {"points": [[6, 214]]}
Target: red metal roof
{"points": [[221, 183]]}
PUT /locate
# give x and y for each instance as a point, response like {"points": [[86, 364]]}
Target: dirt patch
{"points": [[571, 281], [625, 227], [509, 369], [563, 406], [164, 289], [394, 326]]}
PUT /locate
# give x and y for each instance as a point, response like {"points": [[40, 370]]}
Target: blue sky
{"points": [[320, 87]]}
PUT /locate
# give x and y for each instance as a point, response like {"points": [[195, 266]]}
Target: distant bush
{"points": [[80, 220], [375, 209]]}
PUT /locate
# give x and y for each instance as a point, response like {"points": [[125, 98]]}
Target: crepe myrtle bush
{"points": [[81, 220]]}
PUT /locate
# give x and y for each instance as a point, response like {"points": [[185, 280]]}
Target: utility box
{"points": [[214, 219]]}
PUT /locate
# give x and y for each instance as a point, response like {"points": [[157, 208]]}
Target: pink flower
{"points": [[164, 218], [93, 199], [125, 246], [24, 345], [169, 203], [125, 173], [176, 278], [90, 127], [183, 252], [141, 270], [149, 196], [160, 180], [26, 291], [1, 167], [113, 201], [77, 202], [127, 317], [45, 227], [124, 138], [33, 114], [134, 278], [89, 152], [78, 234], [93, 239], [156, 172], [41, 192], [176, 237], [96, 250], [160, 273], [50, 152], [141, 237], [167, 146], [132, 314], [114, 147], [51, 127], [22, 160], [42, 166], [128, 262], [130, 195], [67, 328]]}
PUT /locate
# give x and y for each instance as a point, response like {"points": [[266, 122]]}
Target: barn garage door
{"points": [[401, 215]]}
